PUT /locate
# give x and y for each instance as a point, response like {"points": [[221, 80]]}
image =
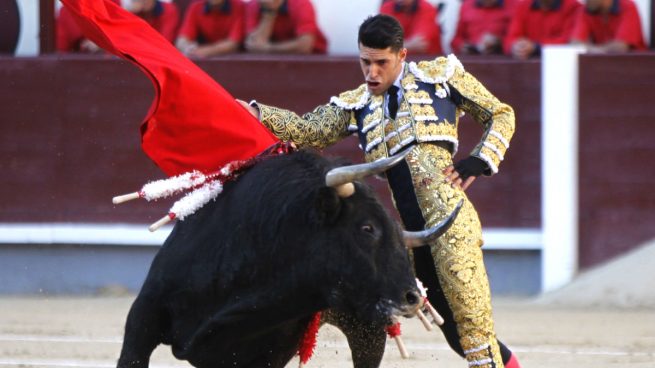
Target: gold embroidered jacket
{"points": [[435, 94]]}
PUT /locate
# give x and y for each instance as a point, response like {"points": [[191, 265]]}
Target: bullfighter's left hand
{"points": [[463, 173]]}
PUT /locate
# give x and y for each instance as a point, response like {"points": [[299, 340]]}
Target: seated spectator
{"points": [[540, 22], [211, 27], [419, 21], [69, 37], [609, 26], [162, 16], [283, 26], [482, 26]]}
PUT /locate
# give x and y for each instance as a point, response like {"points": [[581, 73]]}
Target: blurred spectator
{"points": [[68, 35], [609, 26], [162, 16], [540, 22], [212, 27], [283, 26], [419, 21], [482, 26]]}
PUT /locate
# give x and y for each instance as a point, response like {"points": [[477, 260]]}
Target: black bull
{"points": [[237, 283]]}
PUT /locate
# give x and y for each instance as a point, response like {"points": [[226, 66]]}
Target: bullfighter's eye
{"points": [[367, 228]]}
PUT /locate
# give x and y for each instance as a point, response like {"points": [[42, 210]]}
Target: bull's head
{"points": [[380, 282], [342, 179]]}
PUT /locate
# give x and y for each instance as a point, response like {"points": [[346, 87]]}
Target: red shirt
{"points": [[68, 35], [542, 26], [164, 18], [475, 20], [418, 20], [206, 24], [294, 18], [622, 24]]}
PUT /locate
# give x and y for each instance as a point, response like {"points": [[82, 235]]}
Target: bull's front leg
{"points": [[366, 341], [142, 333]]}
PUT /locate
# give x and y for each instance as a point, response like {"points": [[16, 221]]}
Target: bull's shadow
{"points": [[236, 284]]}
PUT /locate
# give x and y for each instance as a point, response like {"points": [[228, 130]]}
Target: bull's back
{"points": [[222, 245]]}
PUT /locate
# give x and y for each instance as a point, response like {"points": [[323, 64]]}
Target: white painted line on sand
{"points": [[63, 339], [20, 362], [329, 344]]}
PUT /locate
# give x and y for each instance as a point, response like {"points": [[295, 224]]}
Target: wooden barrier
{"points": [[69, 138], [617, 151]]}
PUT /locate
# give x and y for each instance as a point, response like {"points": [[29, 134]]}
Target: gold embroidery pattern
{"points": [[403, 108], [375, 137], [352, 99], [424, 113], [405, 134], [408, 81], [479, 113], [422, 95], [457, 254], [433, 68], [439, 91], [373, 118], [497, 143], [427, 131], [320, 128], [380, 151], [488, 111], [398, 130]]}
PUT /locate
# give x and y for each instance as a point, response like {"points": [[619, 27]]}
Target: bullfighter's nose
{"points": [[413, 298]]}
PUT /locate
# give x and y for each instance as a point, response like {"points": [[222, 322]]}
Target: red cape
{"points": [[193, 123]]}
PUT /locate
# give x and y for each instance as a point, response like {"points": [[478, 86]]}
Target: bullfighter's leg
{"points": [[366, 342], [142, 333], [457, 271]]}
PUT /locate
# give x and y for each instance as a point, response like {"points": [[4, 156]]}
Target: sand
{"points": [[604, 318]]}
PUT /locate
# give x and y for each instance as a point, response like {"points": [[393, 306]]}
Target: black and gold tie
{"points": [[393, 101]]}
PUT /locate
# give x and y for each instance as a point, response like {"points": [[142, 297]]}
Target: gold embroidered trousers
{"points": [[457, 255]]}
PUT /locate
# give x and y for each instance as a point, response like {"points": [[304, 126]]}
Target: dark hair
{"points": [[381, 31]]}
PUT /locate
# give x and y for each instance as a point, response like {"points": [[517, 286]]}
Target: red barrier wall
{"points": [[69, 138], [617, 155]]}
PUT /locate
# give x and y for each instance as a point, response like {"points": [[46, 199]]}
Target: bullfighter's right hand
{"points": [[251, 109]]}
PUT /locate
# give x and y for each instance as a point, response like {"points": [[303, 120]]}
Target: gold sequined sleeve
{"points": [[496, 117], [320, 128]]}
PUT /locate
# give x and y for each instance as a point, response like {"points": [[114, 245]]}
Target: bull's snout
{"points": [[413, 302]]}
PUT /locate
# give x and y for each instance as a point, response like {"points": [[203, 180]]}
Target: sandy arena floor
{"points": [[603, 319], [87, 332]]}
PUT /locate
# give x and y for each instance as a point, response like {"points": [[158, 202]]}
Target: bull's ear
{"points": [[328, 205]]}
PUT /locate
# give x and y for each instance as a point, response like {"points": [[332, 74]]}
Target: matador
{"points": [[416, 106]]}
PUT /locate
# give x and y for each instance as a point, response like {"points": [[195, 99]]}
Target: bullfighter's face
{"points": [[380, 67]]}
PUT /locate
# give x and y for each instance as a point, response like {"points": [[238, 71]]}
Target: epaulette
{"points": [[352, 100], [437, 71]]}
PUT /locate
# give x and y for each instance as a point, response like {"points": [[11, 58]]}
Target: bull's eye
{"points": [[367, 228]]}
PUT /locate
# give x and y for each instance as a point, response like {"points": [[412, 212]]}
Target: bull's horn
{"points": [[415, 239], [347, 174]]}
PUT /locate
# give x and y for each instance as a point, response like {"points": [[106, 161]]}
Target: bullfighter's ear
{"points": [[328, 205]]}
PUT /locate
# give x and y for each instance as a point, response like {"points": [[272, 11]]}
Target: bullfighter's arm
{"points": [[320, 128], [496, 117]]}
